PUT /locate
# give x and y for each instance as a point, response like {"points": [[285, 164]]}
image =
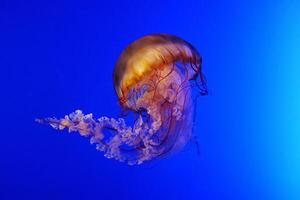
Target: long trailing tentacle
{"points": [[112, 147], [87, 126]]}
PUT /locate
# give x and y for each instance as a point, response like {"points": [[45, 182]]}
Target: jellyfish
{"points": [[155, 78]]}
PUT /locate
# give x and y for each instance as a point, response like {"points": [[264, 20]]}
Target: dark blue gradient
{"points": [[58, 56]]}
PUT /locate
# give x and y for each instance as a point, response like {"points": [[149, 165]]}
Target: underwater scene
{"points": [[150, 100]]}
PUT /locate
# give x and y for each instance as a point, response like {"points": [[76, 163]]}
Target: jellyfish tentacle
{"points": [[88, 127]]}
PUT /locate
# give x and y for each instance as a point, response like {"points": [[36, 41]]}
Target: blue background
{"points": [[58, 56]]}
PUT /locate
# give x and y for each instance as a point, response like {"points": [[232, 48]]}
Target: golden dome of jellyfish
{"points": [[154, 77]]}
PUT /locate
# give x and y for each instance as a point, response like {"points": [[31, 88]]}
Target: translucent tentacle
{"points": [[124, 135]]}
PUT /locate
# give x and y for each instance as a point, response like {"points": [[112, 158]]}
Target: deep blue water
{"points": [[58, 56]]}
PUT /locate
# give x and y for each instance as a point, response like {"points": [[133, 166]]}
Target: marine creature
{"points": [[154, 77]]}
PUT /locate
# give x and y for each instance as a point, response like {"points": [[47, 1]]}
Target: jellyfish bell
{"points": [[155, 74], [157, 52]]}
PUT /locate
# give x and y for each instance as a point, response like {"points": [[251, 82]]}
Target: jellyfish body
{"points": [[154, 77]]}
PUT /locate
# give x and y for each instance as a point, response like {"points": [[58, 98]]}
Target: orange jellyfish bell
{"points": [[150, 53], [154, 77]]}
